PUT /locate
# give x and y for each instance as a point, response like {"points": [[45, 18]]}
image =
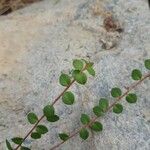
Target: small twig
{"points": [[108, 109]]}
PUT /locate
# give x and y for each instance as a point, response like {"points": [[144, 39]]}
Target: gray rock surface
{"points": [[38, 42]]}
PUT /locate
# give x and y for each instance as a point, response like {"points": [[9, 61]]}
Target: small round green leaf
{"points": [[49, 111], [8, 145], [97, 126], [35, 135], [68, 98], [63, 136], [17, 140], [103, 103], [85, 119], [147, 64], [80, 77], [116, 92], [53, 118], [91, 71], [84, 134], [41, 129], [78, 64], [118, 108], [136, 74], [64, 80], [24, 148], [32, 118], [131, 98], [75, 72], [98, 111]]}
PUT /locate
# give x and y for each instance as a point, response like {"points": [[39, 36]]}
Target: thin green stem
{"points": [[108, 109]]}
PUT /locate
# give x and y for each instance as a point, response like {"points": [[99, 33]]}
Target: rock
{"points": [[40, 41]]}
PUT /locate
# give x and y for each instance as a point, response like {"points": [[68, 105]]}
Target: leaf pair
{"points": [[136, 73], [68, 97], [49, 113], [116, 93], [77, 74], [100, 109], [130, 98], [80, 66], [95, 126], [40, 129]]}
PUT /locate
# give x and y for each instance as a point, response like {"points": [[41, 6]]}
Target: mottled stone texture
{"points": [[38, 42]]}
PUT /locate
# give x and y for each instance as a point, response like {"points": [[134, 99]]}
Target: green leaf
{"points": [[131, 98], [84, 134], [32, 118], [103, 103], [53, 118], [49, 111], [63, 136], [75, 72], [118, 108], [97, 126], [78, 64], [64, 80], [41, 129], [98, 111], [85, 119], [136, 74], [17, 140], [91, 71], [147, 64], [68, 98], [8, 145], [35, 135], [116, 92], [80, 77], [24, 148]]}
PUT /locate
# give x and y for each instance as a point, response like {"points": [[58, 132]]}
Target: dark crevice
{"points": [[6, 11]]}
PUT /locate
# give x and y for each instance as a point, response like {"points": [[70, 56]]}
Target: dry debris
{"points": [[7, 6], [110, 24]]}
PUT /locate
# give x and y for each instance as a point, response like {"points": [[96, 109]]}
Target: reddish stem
{"points": [[108, 109], [52, 105]]}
